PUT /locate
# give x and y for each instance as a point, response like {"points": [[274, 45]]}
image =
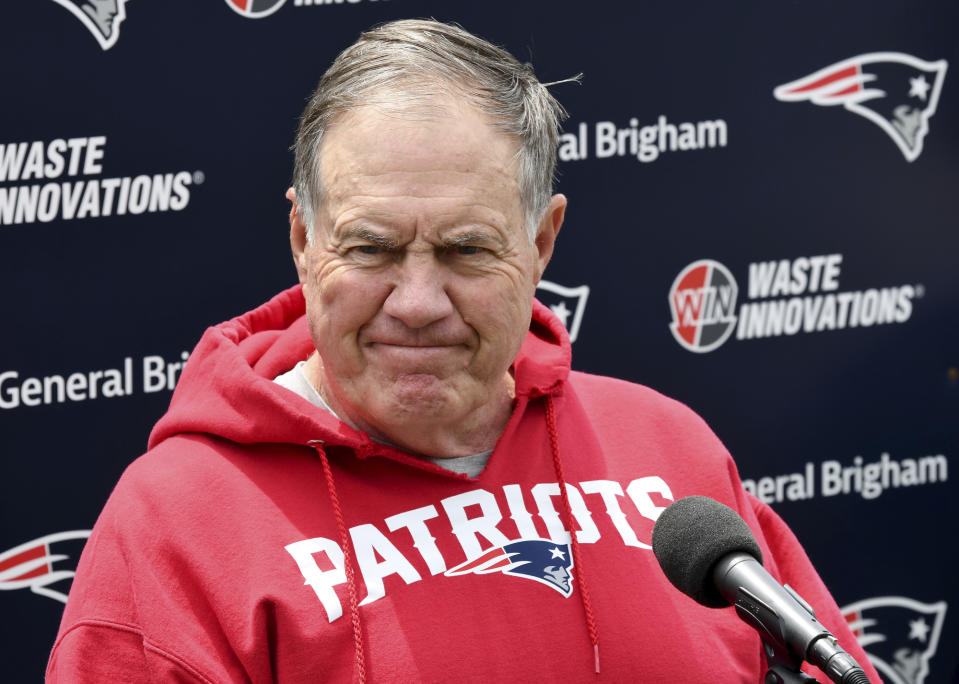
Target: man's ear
{"points": [[298, 243], [547, 231]]}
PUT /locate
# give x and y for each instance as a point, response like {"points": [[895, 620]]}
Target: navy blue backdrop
{"points": [[761, 224]]}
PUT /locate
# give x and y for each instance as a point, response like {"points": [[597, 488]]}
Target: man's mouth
{"points": [[413, 356]]}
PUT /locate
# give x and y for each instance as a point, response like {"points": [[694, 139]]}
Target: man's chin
{"points": [[422, 393], [417, 401]]}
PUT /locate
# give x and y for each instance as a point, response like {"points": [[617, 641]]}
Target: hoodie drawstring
{"points": [[568, 514], [359, 656]]}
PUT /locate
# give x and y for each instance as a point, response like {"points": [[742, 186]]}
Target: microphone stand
{"points": [[784, 664], [787, 625], [783, 668], [778, 675]]}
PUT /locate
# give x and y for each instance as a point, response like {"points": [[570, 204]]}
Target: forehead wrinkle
{"points": [[365, 176], [426, 183], [352, 196], [508, 167], [396, 213]]}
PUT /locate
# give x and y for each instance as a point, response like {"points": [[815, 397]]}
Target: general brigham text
{"points": [[868, 479], [156, 374]]}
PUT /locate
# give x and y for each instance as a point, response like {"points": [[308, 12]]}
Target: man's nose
{"points": [[419, 296]]}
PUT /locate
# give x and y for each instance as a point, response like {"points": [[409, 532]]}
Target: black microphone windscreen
{"points": [[691, 536]]}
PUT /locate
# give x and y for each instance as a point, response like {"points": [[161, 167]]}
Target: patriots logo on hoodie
{"points": [[536, 559], [896, 91], [31, 565], [101, 17], [899, 635]]}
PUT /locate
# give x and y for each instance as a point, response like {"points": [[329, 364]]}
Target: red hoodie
{"points": [[260, 539]]}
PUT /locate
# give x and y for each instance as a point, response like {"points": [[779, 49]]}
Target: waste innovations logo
{"points": [[785, 297], [61, 179], [703, 303], [258, 9], [896, 91], [101, 17], [900, 635], [255, 9]]}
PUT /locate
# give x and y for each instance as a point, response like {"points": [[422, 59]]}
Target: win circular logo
{"points": [[703, 304], [255, 9]]}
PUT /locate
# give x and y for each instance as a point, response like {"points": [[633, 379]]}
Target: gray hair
{"points": [[412, 60]]}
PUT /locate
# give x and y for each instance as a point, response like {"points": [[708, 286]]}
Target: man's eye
{"points": [[369, 249], [467, 249]]}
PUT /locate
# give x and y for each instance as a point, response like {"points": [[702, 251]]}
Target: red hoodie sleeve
{"points": [[790, 565], [101, 637]]}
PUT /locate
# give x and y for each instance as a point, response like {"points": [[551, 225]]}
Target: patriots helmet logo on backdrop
{"points": [[568, 303], [31, 565], [101, 17], [537, 559], [900, 635], [896, 91]]}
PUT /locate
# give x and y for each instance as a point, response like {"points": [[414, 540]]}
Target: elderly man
{"points": [[374, 475]]}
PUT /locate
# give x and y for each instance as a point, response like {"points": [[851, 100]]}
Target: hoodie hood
{"points": [[227, 389]]}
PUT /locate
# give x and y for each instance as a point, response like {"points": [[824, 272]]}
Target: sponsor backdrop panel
{"points": [[761, 224]]}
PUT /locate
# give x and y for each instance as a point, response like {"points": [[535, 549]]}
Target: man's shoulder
{"points": [[187, 468], [582, 378], [630, 410], [616, 393]]}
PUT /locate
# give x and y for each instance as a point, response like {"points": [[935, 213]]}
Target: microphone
{"points": [[709, 553]]}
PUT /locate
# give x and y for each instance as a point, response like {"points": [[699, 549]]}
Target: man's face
{"points": [[420, 278]]}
